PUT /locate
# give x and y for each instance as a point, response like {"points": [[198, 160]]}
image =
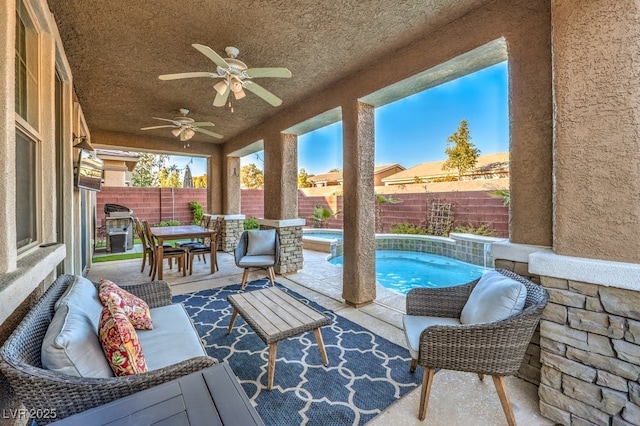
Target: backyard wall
{"points": [[160, 204]]}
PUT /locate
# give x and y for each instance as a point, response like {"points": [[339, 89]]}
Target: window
{"points": [[26, 67], [27, 125]]}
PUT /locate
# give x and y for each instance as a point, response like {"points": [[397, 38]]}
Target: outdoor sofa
{"points": [[172, 349]]}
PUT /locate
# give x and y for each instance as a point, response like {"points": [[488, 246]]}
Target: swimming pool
{"points": [[400, 270], [324, 234]]}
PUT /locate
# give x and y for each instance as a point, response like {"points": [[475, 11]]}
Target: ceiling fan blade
{"points": [[187, 75], [211, 54], [263, 93], [202, 123], [156, 127], [176, 123], [268, 72], [221, 98], [208, 132]]}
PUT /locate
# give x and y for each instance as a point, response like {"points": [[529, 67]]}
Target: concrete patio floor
{"points": [[456, 398]]}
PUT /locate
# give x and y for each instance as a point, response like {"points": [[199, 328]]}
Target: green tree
{"points": [[169, 177], [145, 174], [336, 170], [462, 153], [303, 181], [251, 177]]}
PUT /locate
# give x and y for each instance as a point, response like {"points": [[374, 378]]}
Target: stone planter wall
{"points": [[590, 354], [232, 229], [290, 234], [530, 368]]}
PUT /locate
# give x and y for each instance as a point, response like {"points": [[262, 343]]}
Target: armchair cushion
{"points": [[258, 261], [261, 242], [494, 298], [71, 345], [414, 325]]}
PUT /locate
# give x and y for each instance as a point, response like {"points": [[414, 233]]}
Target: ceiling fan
{"points": [[185, 127], [235, 76]]}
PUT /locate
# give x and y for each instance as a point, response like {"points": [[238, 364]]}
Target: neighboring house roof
{"points": [[325, 178], [336, 177], [130, 159], [487, 165]]}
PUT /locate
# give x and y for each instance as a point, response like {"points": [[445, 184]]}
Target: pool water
{"points": [[325, 235], [400, 271]]}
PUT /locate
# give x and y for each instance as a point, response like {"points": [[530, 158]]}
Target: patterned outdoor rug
{"points": [[366, 373]]}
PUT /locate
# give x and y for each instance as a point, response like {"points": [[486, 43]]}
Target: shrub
{"points": [[198, 212], [470, 228], [407, 228], [171, 222], [251, 223]]}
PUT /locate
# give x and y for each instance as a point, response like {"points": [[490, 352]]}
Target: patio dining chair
{"points": [[258, 249], [482, 327], [207, 246], [168, 253]]}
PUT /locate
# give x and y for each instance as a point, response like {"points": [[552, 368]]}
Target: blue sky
{"points": [[414, 130]]}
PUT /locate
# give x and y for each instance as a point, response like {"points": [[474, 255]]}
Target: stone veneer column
{"points": [[359, 270], [290, 234]]}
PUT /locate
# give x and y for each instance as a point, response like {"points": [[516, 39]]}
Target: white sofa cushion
{"points": [[494, 298], [172, 340], [414, 325], [71, 345], [82, 294], [261, 242]]}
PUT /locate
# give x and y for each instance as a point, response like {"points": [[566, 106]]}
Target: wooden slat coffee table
{"points": [[274, 315]]}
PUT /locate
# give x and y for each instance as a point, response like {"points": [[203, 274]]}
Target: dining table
{"points": [[180, 232]]}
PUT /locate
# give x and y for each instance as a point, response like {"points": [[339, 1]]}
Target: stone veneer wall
{"points": [[291, 254], [530, 367], [590, 354], [471, 251]]}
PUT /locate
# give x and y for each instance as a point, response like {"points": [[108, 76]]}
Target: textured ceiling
{"points": [[117, 49]]}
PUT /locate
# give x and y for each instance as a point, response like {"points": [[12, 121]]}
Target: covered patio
{"points": [[89, 69], [320, 281]]}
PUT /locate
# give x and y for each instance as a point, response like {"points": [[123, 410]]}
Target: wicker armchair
{"points": [[39, 388], [494, 348]]}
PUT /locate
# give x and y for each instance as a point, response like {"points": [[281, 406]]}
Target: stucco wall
{"points": [[597, 201]]}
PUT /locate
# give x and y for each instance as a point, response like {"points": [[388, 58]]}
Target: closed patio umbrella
{"points": [[188, 180]]}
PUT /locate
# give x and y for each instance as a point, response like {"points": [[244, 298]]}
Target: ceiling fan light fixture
{"points": [[188, 133], [221, 87], [176, 132], [239, 94]]}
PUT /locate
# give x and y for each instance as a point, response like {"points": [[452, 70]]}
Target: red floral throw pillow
{"points": [[134, 308], [120, 342]]}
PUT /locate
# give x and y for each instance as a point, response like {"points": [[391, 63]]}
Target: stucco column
{"points": [[281, 176], [230, 185], [215, 183], [596, 71], [359, 271], [531, 128]]}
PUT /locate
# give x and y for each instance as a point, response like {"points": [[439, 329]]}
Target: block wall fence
{"points": [[161, 204]]}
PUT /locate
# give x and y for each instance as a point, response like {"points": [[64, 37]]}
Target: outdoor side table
{"points": [[275, 315]]}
